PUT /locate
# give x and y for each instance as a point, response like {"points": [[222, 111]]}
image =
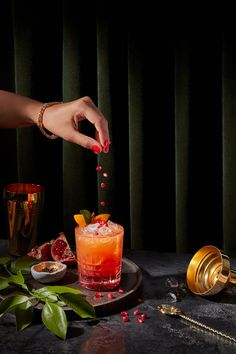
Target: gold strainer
{"points": [[209, 271]]}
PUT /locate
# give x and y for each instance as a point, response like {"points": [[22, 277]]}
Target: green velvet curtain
{"points": [[168, 90]]}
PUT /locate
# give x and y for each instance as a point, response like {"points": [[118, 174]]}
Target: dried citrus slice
{"points": [[79, 218], [101, 217]]}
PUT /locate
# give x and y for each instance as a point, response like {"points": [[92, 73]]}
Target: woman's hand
{"points": [[63, 120]]}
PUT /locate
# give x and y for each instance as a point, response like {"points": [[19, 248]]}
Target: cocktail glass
{"points": [[99, 249]]}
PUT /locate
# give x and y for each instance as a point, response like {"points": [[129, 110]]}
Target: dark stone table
{"points": [[163, 281]]}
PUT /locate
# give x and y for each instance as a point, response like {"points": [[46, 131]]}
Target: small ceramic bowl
{"points": [[48, 271]]}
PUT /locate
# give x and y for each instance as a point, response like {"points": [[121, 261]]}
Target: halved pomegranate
{"points": [[61, 251], [35, 252], [46, 251], [42, 252]]}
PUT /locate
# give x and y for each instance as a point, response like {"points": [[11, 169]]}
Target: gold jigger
{"points": [[209, 271], [23, 204]]}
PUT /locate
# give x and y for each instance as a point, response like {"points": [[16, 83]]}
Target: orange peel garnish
{"points": [[79, 218], [87, 218], [101, 217]]}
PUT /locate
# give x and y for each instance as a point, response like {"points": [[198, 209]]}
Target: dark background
{"points": [[164, 76]]}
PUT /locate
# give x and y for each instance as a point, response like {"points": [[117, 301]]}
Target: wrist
{"points": [[40, 123]]}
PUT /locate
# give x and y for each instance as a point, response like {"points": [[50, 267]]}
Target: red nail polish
{"points": [[106, 149], [96, 149], [105, 143]]}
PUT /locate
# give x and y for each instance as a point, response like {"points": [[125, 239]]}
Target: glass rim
{"points": [[23, 188], [91, 234]]}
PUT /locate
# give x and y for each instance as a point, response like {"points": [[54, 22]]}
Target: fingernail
{"points": [[106, 149], [96, 149], [106, 146], [105, 143]]}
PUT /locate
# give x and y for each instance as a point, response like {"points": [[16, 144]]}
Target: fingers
{"points": [[89, 111], [86, 142], [69, 114]]}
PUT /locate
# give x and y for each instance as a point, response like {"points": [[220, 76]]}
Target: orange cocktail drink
{"points": [[99, 249]]}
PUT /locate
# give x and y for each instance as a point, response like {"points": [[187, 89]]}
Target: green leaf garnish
{"points": [[53, 298], [24, 315], [46, 296], [87, 215], [24, 264], [54, 318], [4, 260], [3, 283], [79, 305], [10, 302], [62, 289], [17, 279]]}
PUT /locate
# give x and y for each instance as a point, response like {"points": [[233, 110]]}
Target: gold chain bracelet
{"points": [[43, 130]]}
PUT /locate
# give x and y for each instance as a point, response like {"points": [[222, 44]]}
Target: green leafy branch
{"points": [[52, 298]]}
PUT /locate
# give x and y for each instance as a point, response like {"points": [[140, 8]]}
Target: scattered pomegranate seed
{"points": [[136, 312], [125, 318], [105, 174], [102, 203], [111, 296], [103, 185], [144, 316], [98, 294], [120, 291], [139, 301], [98, 168], [140, 320]]}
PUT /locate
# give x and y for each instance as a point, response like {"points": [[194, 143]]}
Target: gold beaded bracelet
{"points": [[43, 130]]}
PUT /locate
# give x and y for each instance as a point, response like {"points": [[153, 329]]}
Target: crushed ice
{"points": [[171, 297], [177, 289], [107, 228], [92, 227]]}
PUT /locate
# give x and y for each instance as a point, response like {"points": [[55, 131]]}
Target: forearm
{"points": [[17, 111], [59, 120]]}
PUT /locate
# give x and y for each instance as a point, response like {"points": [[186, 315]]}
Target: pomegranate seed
{"points": [[96, 233], [136, 312], [98, 168], [144, 316], [139, 301], [120, 291], [103, 185], [125, 318], [111, 296], [102, 203], [124, 313], [105, 174], [139, 320], [102, 223], [98, 294]]}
